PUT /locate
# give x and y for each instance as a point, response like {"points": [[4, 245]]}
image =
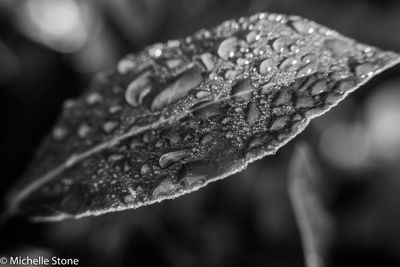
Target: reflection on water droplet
{"points": [[303, 26], [289, 63]]}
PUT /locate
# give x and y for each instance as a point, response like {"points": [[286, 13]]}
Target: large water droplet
{"points": [[166, 188], [135, 88], [267, 66], [208, 61], [173, 157], [226, 47]]}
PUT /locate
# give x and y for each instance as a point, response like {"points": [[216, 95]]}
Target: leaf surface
{"points": [[179, 115]]}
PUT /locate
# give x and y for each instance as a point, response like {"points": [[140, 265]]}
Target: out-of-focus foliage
{"points": [[252, 224]]}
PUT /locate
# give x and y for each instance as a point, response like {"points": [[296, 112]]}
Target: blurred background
{"points": [[49, 52]]}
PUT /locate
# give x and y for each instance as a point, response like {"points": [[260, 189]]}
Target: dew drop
{"points": [[267, 66], [319, 87], [226, 47], [125, 65], [307, 70], [83, 130], [136, 87], [173, 157], [93, 98], [208, 61], [109, 126], [166, 188], [280, 45], [289, 63], [59, 133]]}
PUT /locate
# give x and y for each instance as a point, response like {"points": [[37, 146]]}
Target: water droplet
{"points": [[125, 65], [267, 66], [83, 130], [253, 113], [93, 98], [173, 63], [280, 45], [173, 157], [59, 133], [180, 88], [251, 37], [109, 126], [115, 109], [365, 70], [136, 87], [202, 94], [226, 47], [242, 91], [131, 198], [230, 74], [156, 50], [166, 188], [319, 87], [303, 26], [208, 61], [289, 63], [307, 70]]}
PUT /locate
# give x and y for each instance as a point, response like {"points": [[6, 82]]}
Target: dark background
{"points": [[49, 52]]}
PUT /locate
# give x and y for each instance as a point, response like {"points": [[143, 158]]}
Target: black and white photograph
{"points": [[204, 133]]}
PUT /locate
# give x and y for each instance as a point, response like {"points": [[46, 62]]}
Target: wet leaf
{"points": [[314, 221], [179, 115]]}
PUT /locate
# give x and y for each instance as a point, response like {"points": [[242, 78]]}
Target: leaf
{"points": [[314, 221], [179, 115]]}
